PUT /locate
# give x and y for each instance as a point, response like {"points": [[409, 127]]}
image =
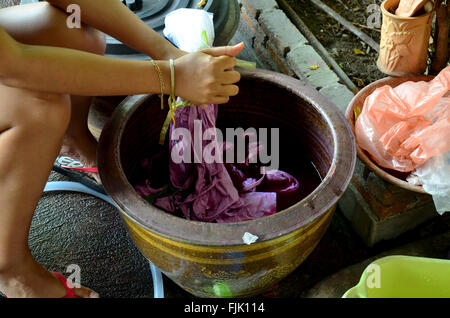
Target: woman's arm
{"points": [[201, 77], [114, 18]]}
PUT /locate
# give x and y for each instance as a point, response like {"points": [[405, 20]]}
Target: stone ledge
{"points": [[248, 53], [263, 52], [283, 48], [301, 60], [252, 26], [280, 30], [370, 228], [367, 218], [279, 60], [256, 7], [338, 94]]}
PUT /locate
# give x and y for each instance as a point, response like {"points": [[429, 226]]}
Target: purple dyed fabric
{"points": [[212, 191]]}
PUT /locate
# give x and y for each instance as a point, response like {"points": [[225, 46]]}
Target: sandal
{"points": [[70, 293], [76, 171]]}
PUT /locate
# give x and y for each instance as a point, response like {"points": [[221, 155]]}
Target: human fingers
{"points": [[229, 90], [225, 50], [221, 99], [231, 77], [225, 62]]}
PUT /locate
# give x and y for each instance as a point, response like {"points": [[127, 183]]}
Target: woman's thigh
{"points": [[43, 24], [40, 24]]}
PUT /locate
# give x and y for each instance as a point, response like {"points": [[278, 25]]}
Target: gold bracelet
{"points": [[172, 78], [172, 100], [161, 81]]}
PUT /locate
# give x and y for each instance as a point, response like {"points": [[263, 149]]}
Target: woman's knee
{"points": [[49, 27], [47, 114]]}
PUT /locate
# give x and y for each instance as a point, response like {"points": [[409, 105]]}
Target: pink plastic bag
{"points": [[402, 127]]}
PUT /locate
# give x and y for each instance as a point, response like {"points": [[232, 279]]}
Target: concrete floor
{"points": [[74, 228]]}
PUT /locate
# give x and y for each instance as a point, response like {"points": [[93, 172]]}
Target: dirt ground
{"points": [[361, 68]]}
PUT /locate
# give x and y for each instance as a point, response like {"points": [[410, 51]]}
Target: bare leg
{"points": [[78, 140], [49, 28], [32, 129]]}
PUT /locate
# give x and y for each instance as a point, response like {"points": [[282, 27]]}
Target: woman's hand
{"points": [[207, 76]]}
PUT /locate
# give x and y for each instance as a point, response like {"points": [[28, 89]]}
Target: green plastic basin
{"points": [[404, 277]]}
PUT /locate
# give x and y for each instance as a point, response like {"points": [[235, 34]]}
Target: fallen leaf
{"points": [[359, 81], [358, 52]]}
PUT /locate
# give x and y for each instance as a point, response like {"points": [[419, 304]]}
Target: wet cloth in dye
{"points": [[213, 191]]}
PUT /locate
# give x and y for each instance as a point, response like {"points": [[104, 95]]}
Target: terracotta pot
{"points": [[404, 42], [391, 176], [211, 259]]}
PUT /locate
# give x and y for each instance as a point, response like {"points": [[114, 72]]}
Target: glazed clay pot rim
{"points": [[157, 221], [349, 114], [394, 16]]}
